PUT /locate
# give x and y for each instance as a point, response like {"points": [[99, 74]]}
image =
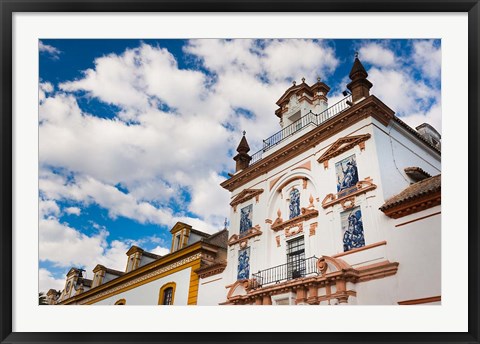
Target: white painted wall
{"points": [[211, 290], [397, 149], [148, 293]]}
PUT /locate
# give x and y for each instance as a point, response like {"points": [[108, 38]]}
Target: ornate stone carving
{"points": [[361, 187], [313, 228], [305, 215], [342, 145], [294, 229], [244, 196], [250, 233]]}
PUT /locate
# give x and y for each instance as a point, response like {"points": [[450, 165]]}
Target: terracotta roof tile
{"points": [[416, 190]]}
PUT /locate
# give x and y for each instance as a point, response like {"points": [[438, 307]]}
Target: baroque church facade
{"points": [[342, 206]]}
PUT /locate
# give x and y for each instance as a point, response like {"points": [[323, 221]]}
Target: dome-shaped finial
{"points": [[294, 82], [303, 80], [319, 78]]}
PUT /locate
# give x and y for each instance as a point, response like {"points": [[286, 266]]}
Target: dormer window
{"points": [[180, 236], [134, 257]]}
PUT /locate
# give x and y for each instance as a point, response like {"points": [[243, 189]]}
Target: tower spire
{"points": [[359, 86], [242, 159]]}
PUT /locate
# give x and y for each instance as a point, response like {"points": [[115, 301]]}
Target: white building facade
{"points": [[342, 206]]}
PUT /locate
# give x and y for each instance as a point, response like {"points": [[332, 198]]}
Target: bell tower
{"points": [[298, 100]]}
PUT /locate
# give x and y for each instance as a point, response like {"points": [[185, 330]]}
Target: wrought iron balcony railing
{"points": [[300, 124], [285, 272]]}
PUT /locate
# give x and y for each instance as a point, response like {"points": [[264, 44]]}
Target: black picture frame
{"points": [[9, 7]]}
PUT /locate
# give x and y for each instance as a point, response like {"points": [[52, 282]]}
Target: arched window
{"points": [[294, 205], [121, 302], [167, 294]]}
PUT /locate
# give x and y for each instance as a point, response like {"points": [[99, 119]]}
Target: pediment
{"points": [[342, 145], [245, 195]]}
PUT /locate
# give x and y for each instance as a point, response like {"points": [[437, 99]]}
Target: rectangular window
{"points": [[296, 258], [243, 264], [347, 174], [245, 219], [352, 229]]}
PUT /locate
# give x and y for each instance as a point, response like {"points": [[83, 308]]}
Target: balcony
{"points": [[310, 119], [285, 272]]}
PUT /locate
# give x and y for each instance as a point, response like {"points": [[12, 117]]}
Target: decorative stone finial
{"points": [[244, 132], [356, 54], [319, 78], [303, 80], [294, 82]]}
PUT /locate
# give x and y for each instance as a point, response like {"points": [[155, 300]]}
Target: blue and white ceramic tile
{"points": [[294, 205], [243, 264], [352, 228], [347, 173], [246, 218]]}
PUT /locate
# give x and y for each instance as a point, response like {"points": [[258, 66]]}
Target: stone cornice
{"points": [[369, 107], [211, 270], [306, 214]]}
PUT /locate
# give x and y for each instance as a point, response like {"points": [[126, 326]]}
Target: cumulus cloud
{"points": [[53, 52], [428, 57], [376, 54], [47, 281]]}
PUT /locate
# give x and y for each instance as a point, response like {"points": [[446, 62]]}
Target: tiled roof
{"points": [[416, 173], [114, 272], [422, 188], [151, 255]]}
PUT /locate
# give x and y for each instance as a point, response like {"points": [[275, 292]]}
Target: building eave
{"points": [[369, 107]]}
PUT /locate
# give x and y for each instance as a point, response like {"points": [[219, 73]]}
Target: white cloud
{"points": [[404, 94], [73, 210], [377, 55], [50, 50], [47, 281], [160, 250], [48, 208], [428, 58], [55, 237], [43, 89], [433, 117]]}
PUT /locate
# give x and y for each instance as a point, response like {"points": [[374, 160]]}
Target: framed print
{"points": [[202, 164]]}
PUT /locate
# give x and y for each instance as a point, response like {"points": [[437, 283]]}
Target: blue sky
{"points": [[135, 135]]}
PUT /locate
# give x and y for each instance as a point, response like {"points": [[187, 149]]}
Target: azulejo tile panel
{"points": [[347, 173], [294, 205], [352, 229], [243, 264], [246, 215]]}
